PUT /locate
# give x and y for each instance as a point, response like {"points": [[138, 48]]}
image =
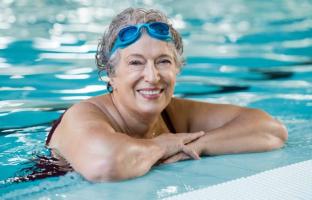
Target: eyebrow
{"points": [[134, 55], [140, 55], [165, 55]]}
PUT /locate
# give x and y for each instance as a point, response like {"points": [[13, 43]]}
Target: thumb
{"points": [[193, 136]]}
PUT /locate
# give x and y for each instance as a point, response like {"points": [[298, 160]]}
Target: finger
{"points": [[177, 157], [193, 136], [184, 157], [172, 159], [190, 152]]}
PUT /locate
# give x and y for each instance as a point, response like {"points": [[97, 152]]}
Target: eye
{"points": [[135, 62], [165, 61]]}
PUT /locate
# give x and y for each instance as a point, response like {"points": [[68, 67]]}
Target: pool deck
{"points": [[289, 182]]}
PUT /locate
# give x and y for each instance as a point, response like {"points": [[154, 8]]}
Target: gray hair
{"points": [[107, 62]]}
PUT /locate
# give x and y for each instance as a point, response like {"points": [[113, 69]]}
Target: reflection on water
{"points": [[249, 53]]}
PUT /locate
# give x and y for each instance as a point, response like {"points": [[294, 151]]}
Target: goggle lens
{"points": [[130, 34], [159, 28], [127, 33]]}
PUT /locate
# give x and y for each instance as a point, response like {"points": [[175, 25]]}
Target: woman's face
{"points": [[145, 76]]}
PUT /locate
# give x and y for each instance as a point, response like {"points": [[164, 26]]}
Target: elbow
{"points": [[278, 135], [273, 132], [109, 172], [282, 132], [115, 168], [99, 171], [132, 162]]}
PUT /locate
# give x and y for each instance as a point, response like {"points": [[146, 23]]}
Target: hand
{"points": [[194, 146], [175, 143]]}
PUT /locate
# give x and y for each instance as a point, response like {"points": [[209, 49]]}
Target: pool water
{"points": [[250, 53]]}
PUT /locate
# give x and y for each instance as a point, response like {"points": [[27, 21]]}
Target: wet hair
{"points": [[107, 62]]}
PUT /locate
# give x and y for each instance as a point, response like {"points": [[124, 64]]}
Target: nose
{"points": [[151, 73]]}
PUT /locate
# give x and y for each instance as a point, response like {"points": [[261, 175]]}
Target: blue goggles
{"points": [[132, 33]]}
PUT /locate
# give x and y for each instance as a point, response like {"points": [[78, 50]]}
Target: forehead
{"points": [[148, 47]]}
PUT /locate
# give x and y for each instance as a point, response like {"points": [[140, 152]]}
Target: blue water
{"points": [[250, 53]]}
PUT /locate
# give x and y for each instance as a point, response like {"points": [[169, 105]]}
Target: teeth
{"points": [[150, 92]]}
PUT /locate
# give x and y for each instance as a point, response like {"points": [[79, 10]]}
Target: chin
{"points": [[151, 108]]}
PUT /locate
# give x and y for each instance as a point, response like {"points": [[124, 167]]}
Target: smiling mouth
{"points": [[150, 93]]}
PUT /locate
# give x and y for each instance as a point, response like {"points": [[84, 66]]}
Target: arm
{"points": [[96, 151], [250, 131], [231, 129]]}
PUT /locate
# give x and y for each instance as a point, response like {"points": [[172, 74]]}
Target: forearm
{"points": [[115, 158], [122, 157], [251, 131], [139, 158], [136, 159]]}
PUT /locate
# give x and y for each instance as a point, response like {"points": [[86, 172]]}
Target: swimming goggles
{"points": [[132, 33]]}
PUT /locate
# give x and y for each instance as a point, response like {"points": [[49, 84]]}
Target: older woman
{"points": [[138, 124]]}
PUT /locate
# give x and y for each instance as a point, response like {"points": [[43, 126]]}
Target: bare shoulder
{"points": [[81, 113], [88, 111], [85, 110], [80, 119]]}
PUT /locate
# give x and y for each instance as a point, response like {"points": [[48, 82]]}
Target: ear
{"points": [[112, 82]]}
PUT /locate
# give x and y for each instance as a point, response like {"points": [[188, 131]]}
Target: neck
{"points": [[136, 124]]}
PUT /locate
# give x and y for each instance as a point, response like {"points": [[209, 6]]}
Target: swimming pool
{"points": [[256, 54]]}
